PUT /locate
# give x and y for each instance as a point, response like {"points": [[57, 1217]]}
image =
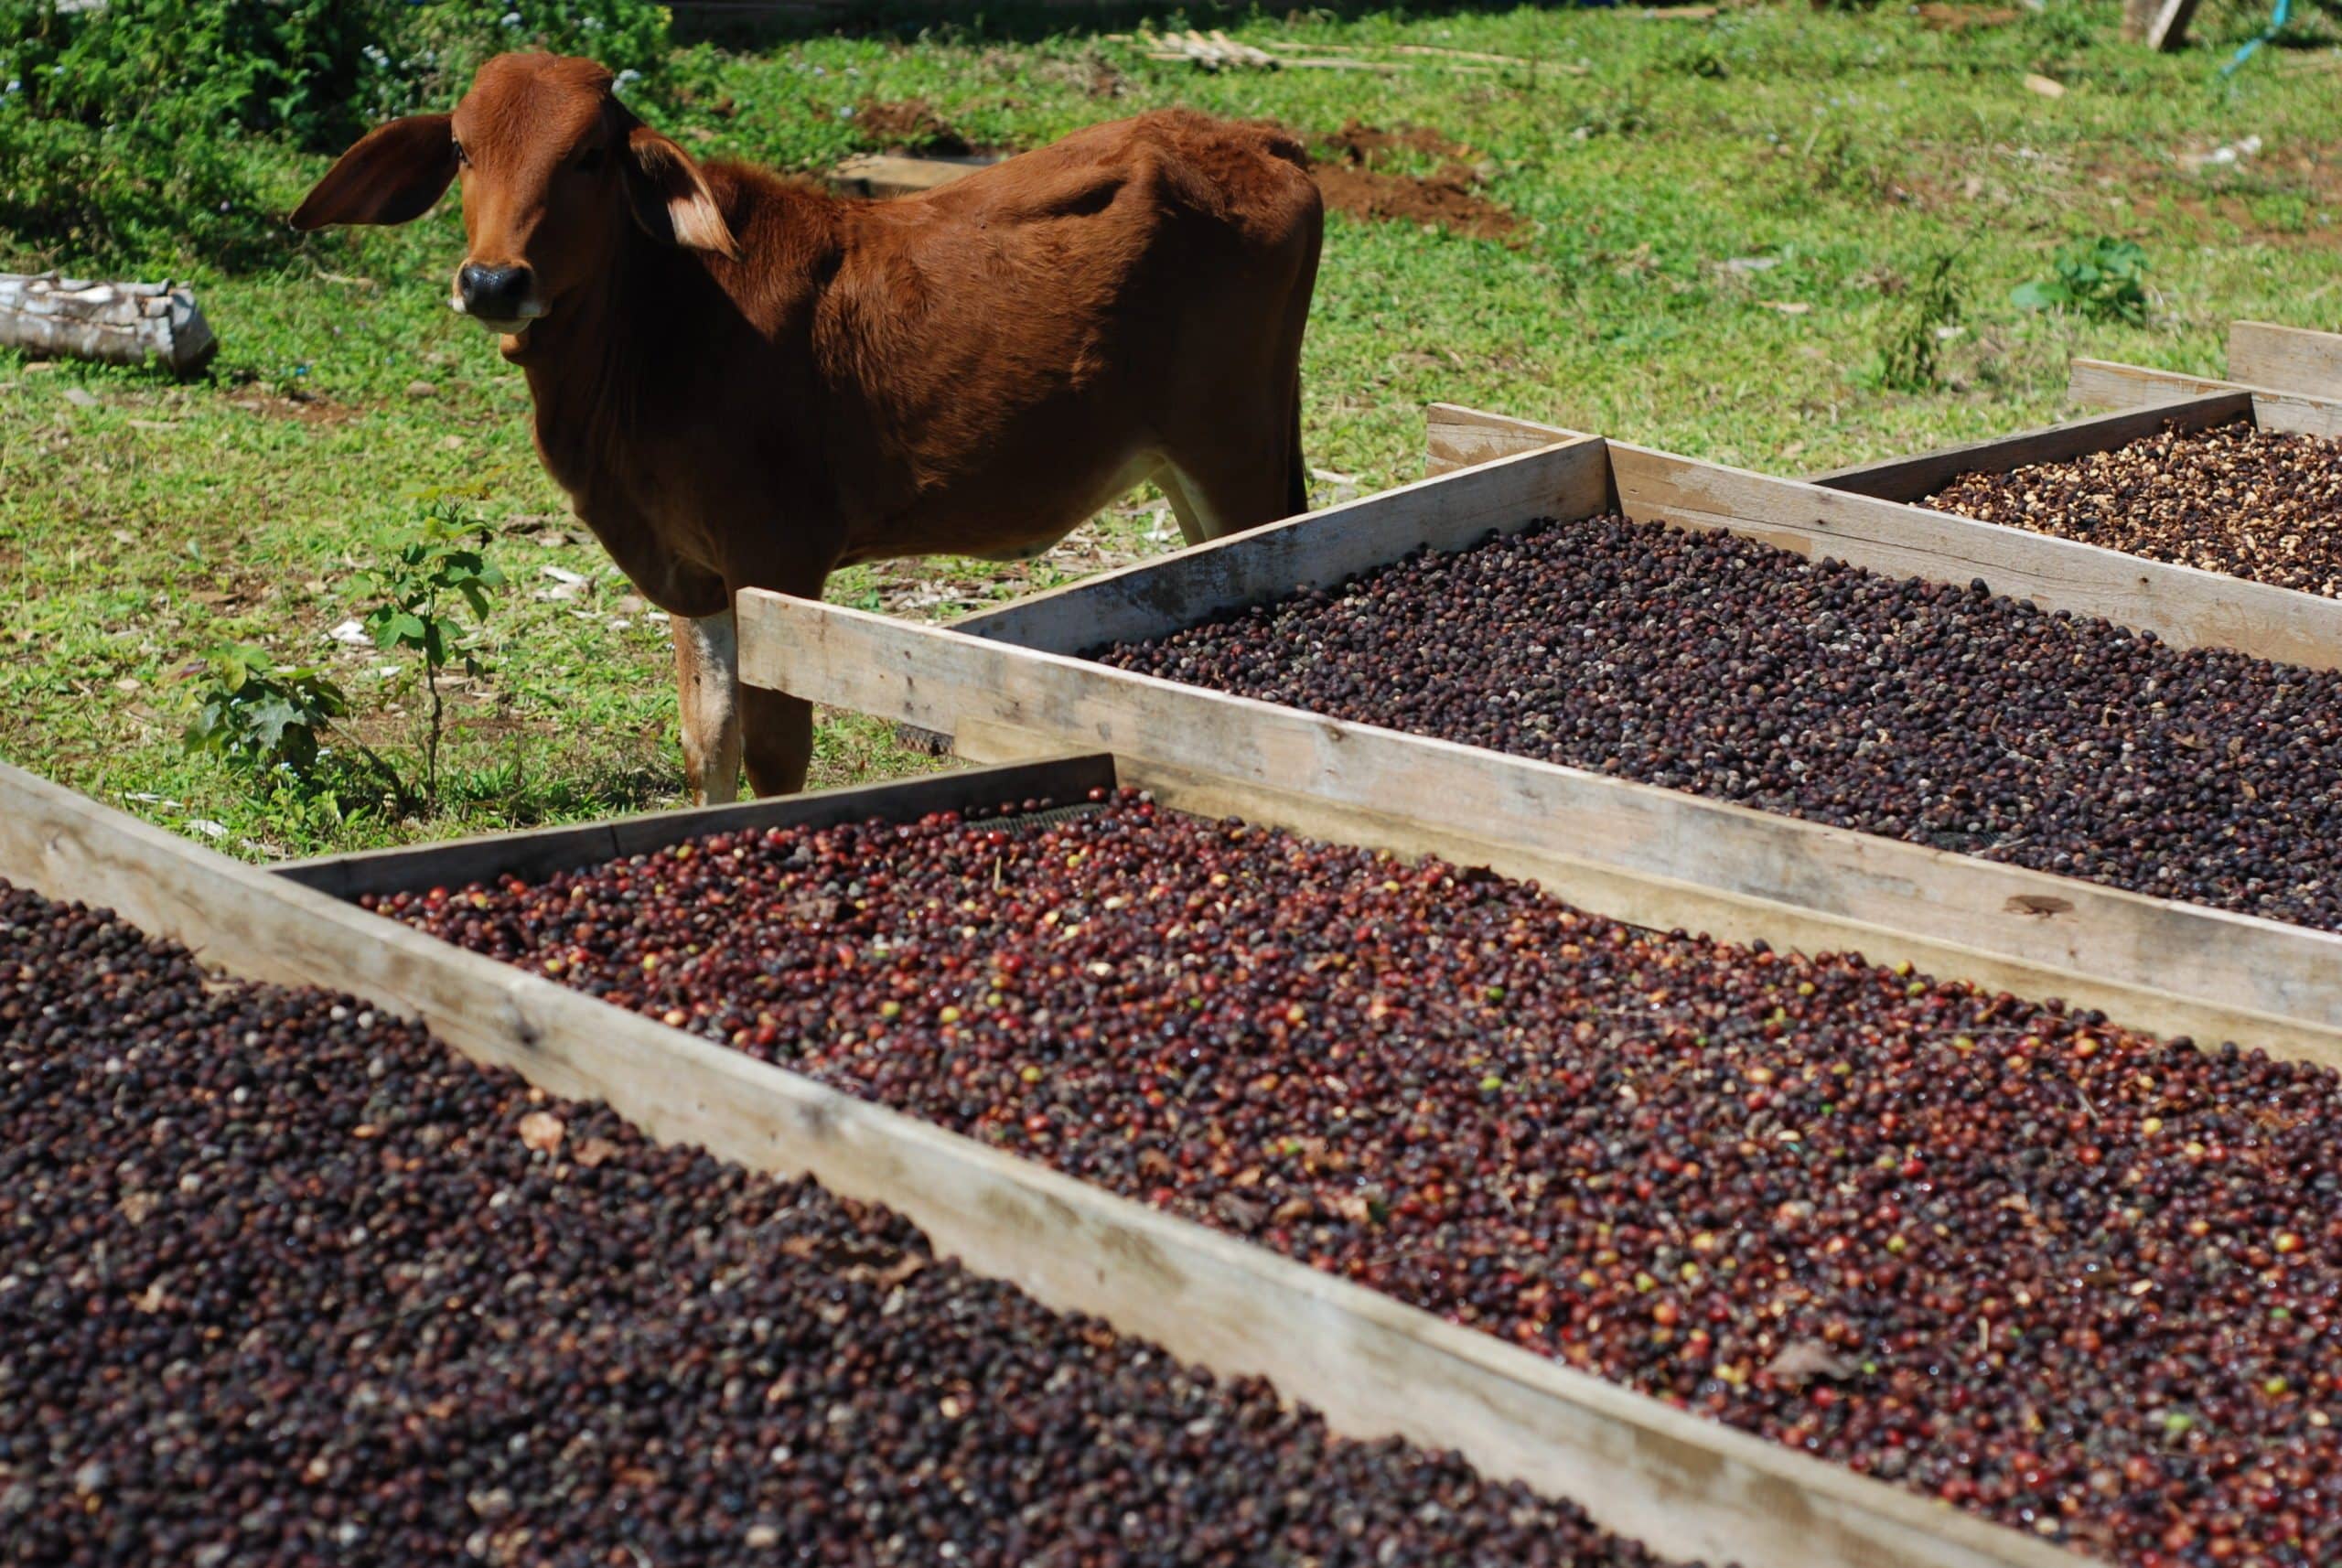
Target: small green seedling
{"points": [[426, 586], [2101, 280], [262, 715]]}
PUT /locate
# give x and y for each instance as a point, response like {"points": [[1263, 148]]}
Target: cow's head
{"points": [[553, 168]]}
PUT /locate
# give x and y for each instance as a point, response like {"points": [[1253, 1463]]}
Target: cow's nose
{"points": [[497, 293]]}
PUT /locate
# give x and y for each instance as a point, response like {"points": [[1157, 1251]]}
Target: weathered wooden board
{"points": [[2101, 383], [1457, 437], [1911, 479], [1665, 857], [1317, 549], [541, 852], [1686, 1486], [2289, 359]]}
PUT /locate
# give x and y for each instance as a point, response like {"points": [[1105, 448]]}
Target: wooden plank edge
{"points": [[2052, 572], [2104, 384], [1458, 437], [1663, 903], [2299, 360], [936, 677], [542, 852], [1682, 1484], [1153, 595], [1909, 478]]}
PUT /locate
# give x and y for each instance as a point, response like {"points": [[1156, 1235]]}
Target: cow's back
{"points": [[1250, 177], [1038, 312]]}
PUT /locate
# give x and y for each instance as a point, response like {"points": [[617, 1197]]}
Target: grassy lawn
{"points": [[1717, 232]]}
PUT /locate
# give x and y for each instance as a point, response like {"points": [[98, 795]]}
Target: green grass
{"points": [[1642, 156]]}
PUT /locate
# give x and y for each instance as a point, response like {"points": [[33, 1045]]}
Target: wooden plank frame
{"points": [[1684, 1485], [2289, 359], [1914, 478], [2103, 384], [1009, 683], [1458, 437], [2185, 605]]}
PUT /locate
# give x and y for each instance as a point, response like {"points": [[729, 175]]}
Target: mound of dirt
{"points": [[1364, 146], [911, 126], [1351, 181], [1443, 199]]}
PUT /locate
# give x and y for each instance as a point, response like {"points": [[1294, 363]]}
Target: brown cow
{"points": [[744, 382]]}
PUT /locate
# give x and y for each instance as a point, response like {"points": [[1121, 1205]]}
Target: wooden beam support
{"points": [[1457, 437], [1686, 1486], [2185, 607], [1318, 548]]}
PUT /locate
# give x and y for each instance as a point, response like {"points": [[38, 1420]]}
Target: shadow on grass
{"points": [[506, 795]]}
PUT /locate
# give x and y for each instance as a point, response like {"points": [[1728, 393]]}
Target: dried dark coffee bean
{"points": [[2232, 499], [1926, 711], [2072, 1278], [283, 1282]]}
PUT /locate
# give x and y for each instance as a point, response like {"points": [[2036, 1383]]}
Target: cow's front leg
{"points": [[707, 693]]}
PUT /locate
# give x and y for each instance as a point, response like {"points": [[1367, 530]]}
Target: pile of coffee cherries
{"points": [[285, 1281], [2080, 1281], [1921, 710], [2235, 500]]}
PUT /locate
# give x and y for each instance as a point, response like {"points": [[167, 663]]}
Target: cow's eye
{"points": [[462, 158], [590, 160]]}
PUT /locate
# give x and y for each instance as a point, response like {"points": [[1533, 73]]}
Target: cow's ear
{"points": [[393, 174], [669, 195]]}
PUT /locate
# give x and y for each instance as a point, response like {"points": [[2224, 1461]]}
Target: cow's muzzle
{"points": [[501, 298]]}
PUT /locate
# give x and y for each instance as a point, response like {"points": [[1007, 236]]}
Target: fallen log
{"points": [[115, 323]]}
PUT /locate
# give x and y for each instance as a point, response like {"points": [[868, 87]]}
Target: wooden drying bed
{"points": [[1007, 684], [1684, 1485], [1871, 521], [2186, 402]]}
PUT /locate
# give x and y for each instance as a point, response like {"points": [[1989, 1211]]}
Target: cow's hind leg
{"points": [[1216, 495], [707, 693], [1183, 506], [1239, 474], [780, 731], [776, 730]]}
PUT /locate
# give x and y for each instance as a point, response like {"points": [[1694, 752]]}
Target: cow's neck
{"points": [[587, 367]]}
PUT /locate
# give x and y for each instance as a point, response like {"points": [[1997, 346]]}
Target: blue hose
{"points": [[2276, 25]]}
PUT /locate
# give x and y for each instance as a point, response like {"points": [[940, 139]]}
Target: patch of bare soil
{"points": [[911, 126], [2249, 196], [305, 407], [1364, 146], [1938, 17], [1352, 181]]}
